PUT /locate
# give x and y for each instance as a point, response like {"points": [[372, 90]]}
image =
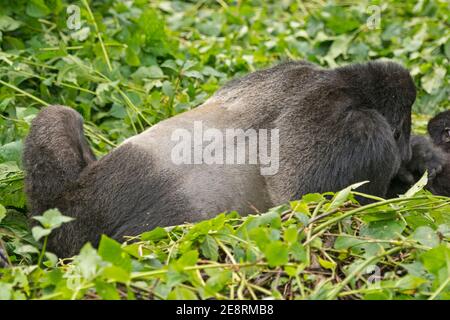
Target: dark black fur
{"points": [[439, 130], [337, 127], [428, 154]]}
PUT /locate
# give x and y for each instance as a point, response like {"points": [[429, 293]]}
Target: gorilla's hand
{"points": [[405, 176], [425, 157]]}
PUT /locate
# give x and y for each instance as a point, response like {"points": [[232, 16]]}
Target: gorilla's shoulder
{"points": [[272, 75]]}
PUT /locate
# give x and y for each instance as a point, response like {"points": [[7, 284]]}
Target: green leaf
{"points": [[39, 232], [218, 280], [276, 253], [313, 197], [167, 89], [188, 259], [170, 64], [339, 19], [327, 264], [410, 282], [106, 290], [26, 249], [419, 185], [51, 261], [116, 274], [344, 195], [291, 235], [384, 229], [132, 58], [300, 207], [88, 262], [154, 235], [343, 242], [6, 290], [111, 251], [298, 252], [2, 212], [209, 248], [426, 236], [37, 9], [182, 294], [434, 80], [436, 258], [52, 219], [339, 47], [9, 24], [11, 152]]}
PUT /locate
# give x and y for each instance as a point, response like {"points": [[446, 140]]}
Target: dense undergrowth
{"points": [[130, 64]]}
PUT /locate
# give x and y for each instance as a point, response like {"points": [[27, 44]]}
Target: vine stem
{"points": [[41, 255], [333, 294], [25, 93], [364, 208], [440, 289], [105, 53]]}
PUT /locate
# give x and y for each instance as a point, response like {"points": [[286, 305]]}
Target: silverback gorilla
{"points": [[430, 154], [336, 127]]}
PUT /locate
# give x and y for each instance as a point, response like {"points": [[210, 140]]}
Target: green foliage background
{"points": [[134, 63]]}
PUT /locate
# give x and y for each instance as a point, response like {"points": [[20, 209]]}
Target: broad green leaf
{"points": [[88, 262], [432, 81], [218, 280], [188, 259], [276, 253], [154, 235], [291, 235], [436, 258], [180, 293], [106, 290], [384, 229], [343, 243], [37, 9], [8, 23], [116, 274], [210, 248], [111, 251], [39, 232], [426, 236], [52, 219]]}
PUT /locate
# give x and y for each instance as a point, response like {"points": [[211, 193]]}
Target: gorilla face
{"points": [[445, 136], [439, 130]]}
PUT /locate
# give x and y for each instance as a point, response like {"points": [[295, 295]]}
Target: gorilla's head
{"points": [[439, 130], [390, 90]]}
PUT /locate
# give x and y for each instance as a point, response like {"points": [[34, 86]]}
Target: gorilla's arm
{"points": [[55, 153], [425, 157]]}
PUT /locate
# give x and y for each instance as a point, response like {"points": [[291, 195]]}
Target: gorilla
{"points": [[430, 154], [334, 128], [439, 130]]}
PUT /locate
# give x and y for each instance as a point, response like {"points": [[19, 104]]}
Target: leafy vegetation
{"points": [[131, 64]]}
